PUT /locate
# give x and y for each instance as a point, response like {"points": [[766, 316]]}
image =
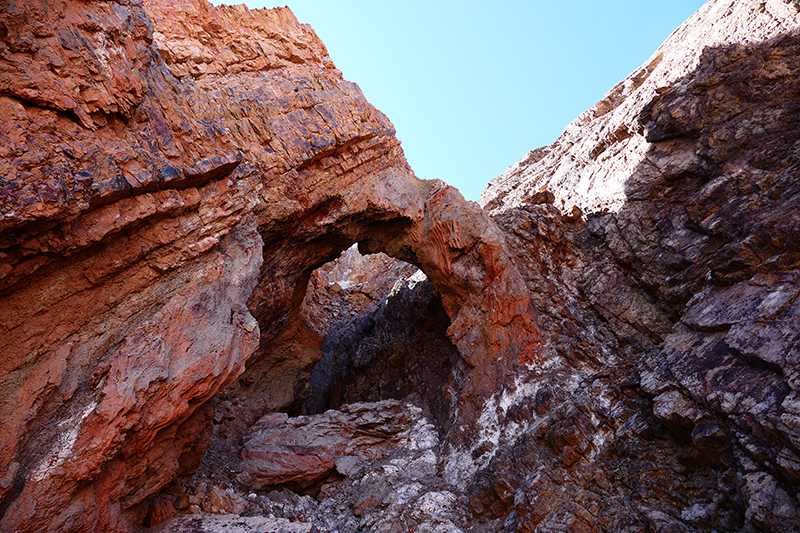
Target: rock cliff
{"points": [[172, 173], [610, 344], [664, 220]]}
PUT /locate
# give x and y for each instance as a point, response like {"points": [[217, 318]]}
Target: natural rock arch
{"points": [[451, 240], [157, 226], [384, 337]]}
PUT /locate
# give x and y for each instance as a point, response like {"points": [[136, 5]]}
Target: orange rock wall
{"points": [[171, 175]]}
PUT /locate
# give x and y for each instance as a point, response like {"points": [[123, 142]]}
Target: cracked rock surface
{"points": [[607, 343], [657, 236], [370, 467], [172, 174]]}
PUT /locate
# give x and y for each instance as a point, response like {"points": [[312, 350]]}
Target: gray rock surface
{"points": [[658, 235], [369, 466]]}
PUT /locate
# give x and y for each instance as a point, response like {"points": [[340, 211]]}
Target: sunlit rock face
{"points": [[611, 345], [172, 173], [657, 236]]}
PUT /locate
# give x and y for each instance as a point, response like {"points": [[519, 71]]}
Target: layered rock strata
{"points": [[172, 174], [615, 338], [665, 221], [656, 240]]}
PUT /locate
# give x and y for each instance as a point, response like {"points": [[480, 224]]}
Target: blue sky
{"points": [[472, 86]]}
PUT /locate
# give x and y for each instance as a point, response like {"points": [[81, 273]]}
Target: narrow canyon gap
{"points": [[180, 200]]}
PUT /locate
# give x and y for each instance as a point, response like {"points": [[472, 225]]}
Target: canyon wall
{"points": [[665, 221], [172, 173], [610, 344]]}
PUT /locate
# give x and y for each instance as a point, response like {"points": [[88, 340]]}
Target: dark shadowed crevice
{"points": [[384, 336], [369, 328]]}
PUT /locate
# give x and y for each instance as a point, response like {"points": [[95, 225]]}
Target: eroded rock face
{"points": [[306, 450], [621, 325], [172, 174], [395, 347], [349, 286], [370, 467], [664, 264]]}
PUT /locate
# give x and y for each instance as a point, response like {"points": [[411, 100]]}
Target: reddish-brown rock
{"points": [[305, 450], [621, 325], [172, 174], [351, 285]]}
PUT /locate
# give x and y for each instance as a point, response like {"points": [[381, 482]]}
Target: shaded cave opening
{"points": [[384, 336], [368, 328]]}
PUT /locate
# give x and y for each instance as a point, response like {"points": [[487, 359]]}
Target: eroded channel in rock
{"points": [[126, 292], [616, 338]]}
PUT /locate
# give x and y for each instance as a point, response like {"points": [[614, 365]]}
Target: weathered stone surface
{"points": [[304, 450], [157, 367], [172, 173], [234, 524], [160, 510], [399, 349], [351, 285], [605, 144], [219, 501], [667, 297], [382, 475], [615, 342]]}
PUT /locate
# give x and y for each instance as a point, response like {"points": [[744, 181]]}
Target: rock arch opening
{"points": [[442, 342], [367, 346], [384, 336], [475, 313], [360, 328]]}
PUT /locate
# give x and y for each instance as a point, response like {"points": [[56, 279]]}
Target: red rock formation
{"points": [[656, 242], [351, 285], [305, 450], [625, 315], [172, 174]]}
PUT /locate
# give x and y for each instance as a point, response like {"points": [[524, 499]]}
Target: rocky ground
{"points": [[366, 466]]}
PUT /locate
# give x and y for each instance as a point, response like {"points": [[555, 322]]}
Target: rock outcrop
{"points": [[172, 174], [371, 467], [351, 285], [610, 345], [664, 220], [397, 347], [307, 450]]}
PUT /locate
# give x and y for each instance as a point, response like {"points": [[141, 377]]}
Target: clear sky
{"points": [[472, 86]]}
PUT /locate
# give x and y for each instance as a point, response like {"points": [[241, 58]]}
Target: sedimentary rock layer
{"points": [[622, 320], [172, 173], [664, 224]]}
